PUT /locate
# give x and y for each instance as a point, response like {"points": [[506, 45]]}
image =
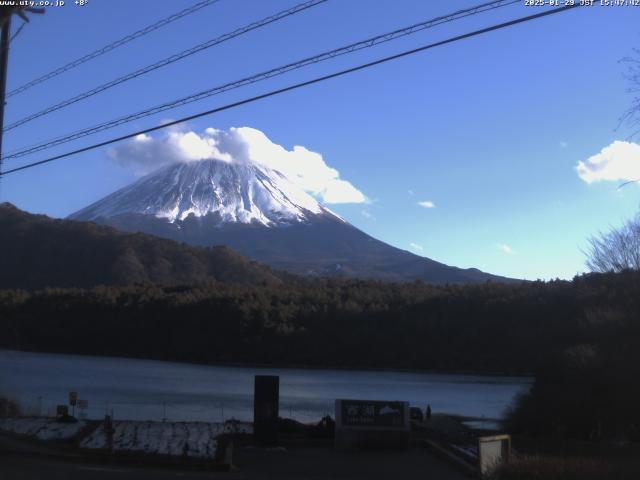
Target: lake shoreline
{"points": [[142, 389], [518, 375]]}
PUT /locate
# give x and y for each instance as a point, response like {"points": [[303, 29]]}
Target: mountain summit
{"points": [[227, 192], [261, 214]]}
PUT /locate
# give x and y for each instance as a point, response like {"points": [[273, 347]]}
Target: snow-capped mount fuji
{"points": [[230, 193], [258, 212]]}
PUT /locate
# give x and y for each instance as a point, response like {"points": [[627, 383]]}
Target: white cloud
{"points": [[427, 204], [303, 167], [367, 214], [506, 248], [416, 246], [619, 161]]}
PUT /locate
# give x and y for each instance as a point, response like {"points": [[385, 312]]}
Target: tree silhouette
{"points": [[616, 250], [632, 75]]}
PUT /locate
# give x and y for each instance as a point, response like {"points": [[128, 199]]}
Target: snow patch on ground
{"points": [[190, 439], [41, 428]]}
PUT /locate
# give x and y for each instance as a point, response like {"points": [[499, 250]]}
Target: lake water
{"points": [[153, 390]]}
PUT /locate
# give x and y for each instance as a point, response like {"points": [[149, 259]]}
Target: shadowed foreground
{"points": [[22, 461], [311, 463]]}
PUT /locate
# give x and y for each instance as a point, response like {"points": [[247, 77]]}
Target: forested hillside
{"points": [[39, 252], [489, 327]]}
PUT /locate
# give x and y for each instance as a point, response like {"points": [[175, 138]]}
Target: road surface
{"points": [[300, 464]]}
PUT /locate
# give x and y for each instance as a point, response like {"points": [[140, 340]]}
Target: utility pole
{"points": [[5, 18], [4, 63]]}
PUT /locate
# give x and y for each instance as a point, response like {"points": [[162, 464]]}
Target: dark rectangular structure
{"points": [[266, 402]]}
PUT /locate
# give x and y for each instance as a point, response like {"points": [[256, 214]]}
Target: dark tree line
{"points": [[323, 322], [589, 388], [583, 334]]}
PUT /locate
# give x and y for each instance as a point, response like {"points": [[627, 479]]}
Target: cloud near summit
{"points": [[305, 168]]}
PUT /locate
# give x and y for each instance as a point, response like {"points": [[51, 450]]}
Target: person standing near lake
{"points": [[428, 412]]}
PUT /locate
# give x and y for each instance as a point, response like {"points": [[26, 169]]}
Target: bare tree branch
{"points": [[631, 116], [616, 250]]}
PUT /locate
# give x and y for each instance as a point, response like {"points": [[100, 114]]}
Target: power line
{"points": [[299, 85], [169, 60], [112, 46], [627, 183], [368, 43]]}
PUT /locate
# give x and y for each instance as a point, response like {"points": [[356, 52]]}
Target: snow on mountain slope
{"points": [[238, 193]]}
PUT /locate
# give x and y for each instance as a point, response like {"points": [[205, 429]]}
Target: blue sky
{"points": [[490, 129]]}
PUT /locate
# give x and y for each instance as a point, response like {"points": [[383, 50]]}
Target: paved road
{"points": [[325, 463], [36, 468], [299, 464]]}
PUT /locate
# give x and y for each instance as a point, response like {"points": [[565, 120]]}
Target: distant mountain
{"points": [[38, 251], [261, 214]]}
